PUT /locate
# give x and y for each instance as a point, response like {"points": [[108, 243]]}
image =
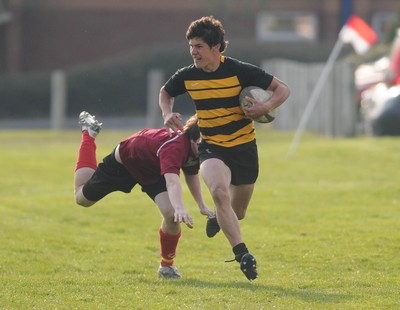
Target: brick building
{"points": [[38, 35]]}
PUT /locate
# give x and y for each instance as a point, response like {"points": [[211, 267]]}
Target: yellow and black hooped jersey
{"points": [[216, 97]]}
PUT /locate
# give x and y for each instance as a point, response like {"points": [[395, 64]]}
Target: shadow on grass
{"points": [[304, 294]]}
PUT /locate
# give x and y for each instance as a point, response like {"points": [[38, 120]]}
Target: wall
{"points": [[57, 34]]}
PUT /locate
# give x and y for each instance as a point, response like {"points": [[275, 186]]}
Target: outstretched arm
{"points": [[193, 183], [172, 120], [174, 190]]}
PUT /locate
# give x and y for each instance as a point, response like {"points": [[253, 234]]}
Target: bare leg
{"points": [[170, 233], [168, 225], [85, 167], [82, 175], [240, 198], [86, 163], [217, 177]]}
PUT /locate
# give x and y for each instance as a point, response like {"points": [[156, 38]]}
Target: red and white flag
{"points": [[357, 32]]}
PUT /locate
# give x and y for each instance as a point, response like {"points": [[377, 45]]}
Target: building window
{"points": [[286, 26]]}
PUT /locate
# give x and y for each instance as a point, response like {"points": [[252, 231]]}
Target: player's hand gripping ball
{"points": [[259, 94]]}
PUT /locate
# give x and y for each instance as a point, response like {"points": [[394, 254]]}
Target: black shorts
{"points": [[111, 176], [242, 162]]}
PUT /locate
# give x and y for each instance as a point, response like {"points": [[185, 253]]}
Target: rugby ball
{"points": [[259, 94]]}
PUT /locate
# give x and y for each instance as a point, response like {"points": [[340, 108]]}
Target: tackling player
{"points": [[153, 159]]}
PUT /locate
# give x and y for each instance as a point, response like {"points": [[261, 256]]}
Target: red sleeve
{"points": [[172, 158]]}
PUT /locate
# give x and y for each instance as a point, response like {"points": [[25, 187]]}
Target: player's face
{"points": [[204, 57]]}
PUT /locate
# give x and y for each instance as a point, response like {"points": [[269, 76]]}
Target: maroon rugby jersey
{"points": [[150, 153]]}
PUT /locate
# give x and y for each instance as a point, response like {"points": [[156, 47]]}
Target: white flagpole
{"points": [[315, 95]]}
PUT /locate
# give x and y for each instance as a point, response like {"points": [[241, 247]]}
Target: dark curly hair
{"points": [[210, 30]]}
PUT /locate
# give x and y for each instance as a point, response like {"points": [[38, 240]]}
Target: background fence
{"points": [[336, 112]]}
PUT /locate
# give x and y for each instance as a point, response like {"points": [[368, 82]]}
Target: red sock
{"points": [[87, 152], [168, 247]]}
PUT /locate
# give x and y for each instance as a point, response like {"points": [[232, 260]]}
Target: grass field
{"points": [[323, 225]]}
